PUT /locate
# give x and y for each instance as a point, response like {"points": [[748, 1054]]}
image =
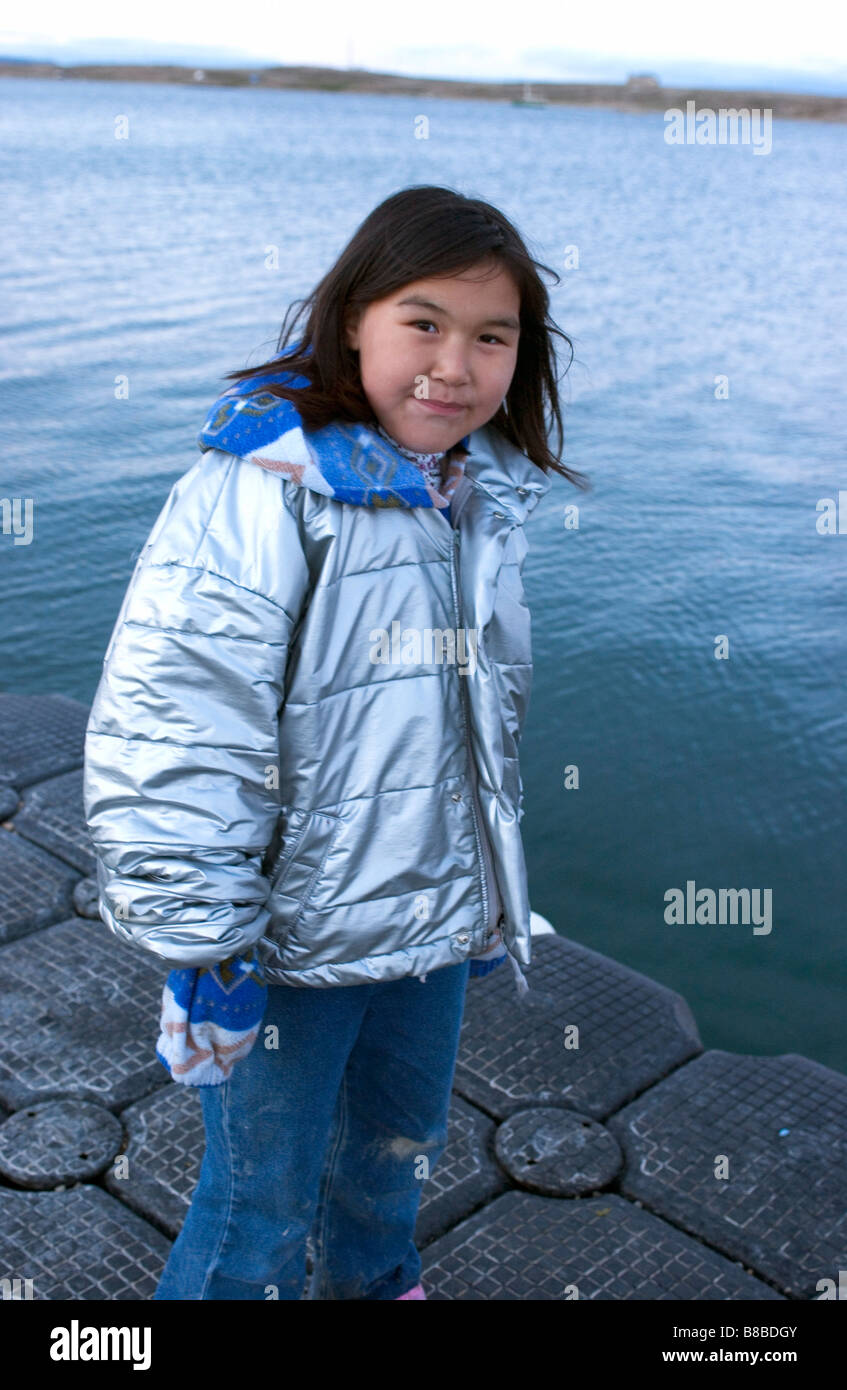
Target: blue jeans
{"points": [[331, 1132]]}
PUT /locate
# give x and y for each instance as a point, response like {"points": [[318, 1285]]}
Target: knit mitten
{"points": [[210, 1019]]}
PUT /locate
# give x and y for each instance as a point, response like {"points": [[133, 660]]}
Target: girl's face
{"points": [[447, 339]]}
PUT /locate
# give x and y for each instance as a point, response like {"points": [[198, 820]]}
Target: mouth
{"points": [[436, 407]]}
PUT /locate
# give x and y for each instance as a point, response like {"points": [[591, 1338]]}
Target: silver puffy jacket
{"points": [[253, 774]]}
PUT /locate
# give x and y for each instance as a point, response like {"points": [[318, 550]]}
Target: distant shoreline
{"points": [[640, 93]]}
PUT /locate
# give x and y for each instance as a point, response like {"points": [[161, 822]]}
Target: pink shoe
{"points": [[416, 1292]]}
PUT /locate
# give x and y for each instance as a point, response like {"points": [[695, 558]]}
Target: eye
{"points": [[427, 323]]}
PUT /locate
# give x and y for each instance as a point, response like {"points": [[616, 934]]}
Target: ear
{"points": [[351, 330]]}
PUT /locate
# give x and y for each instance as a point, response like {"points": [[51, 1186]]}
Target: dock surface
{"points": [[595, 1149]]}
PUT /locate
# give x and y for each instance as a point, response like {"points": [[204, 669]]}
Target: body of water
{"points": [[169, 257]]}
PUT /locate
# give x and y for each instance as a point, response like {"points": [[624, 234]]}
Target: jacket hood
{"points": [[351, 462]]}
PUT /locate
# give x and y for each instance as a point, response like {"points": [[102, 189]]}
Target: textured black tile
{"points": [[780, 1123], [35, 888], [79, 1016], [631, 1032], [524, 1246], [40, 736], [79, 1244], [52, 815]]}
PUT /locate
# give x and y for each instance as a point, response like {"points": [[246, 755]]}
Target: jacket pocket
{"points": [[306, 839]]}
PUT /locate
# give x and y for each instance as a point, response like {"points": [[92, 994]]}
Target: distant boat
{"points": [[528, 99]]}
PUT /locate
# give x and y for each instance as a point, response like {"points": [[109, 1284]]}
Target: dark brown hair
{"points": [[420, 232]]}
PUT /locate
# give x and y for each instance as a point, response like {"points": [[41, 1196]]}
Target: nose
{"points": [[450, 364]]}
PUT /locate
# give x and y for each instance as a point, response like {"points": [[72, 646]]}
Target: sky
{"points": [[766, 41]]}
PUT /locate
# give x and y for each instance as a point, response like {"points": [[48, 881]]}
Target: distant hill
{"points": [[430, 60], [642, 92]]}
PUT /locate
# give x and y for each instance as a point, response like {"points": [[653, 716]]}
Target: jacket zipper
{"points": [[454, 578]]}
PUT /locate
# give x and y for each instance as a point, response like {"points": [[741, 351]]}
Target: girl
{"points": [[302, 758]]}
